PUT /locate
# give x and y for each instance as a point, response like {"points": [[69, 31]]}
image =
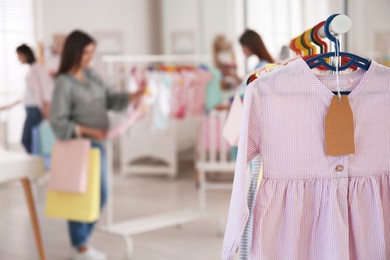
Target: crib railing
{"points": [[213, 154]]}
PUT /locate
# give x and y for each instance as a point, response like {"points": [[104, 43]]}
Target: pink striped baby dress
{"points": [[310, 205]]}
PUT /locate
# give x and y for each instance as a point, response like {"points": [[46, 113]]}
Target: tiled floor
{"points": [[133, 197]]}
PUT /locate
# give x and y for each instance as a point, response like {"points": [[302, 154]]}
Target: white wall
{"points": [[206, 18], [368, 17], [178, 16], [144, 32], [132, 17]]}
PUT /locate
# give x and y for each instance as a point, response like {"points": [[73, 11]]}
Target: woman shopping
{"points": [[37, 96], [80, 103], [252, 44]]}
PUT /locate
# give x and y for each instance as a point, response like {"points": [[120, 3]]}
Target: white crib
{"points": [[213, 157], [142, 141]]}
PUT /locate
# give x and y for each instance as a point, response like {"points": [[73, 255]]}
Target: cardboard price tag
{"points": [[339, 128]]}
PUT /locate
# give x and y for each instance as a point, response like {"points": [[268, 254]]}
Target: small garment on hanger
{"points": [[231, 129], [214, 95], [310, 205], [189, 84], [125, 124], [162, 105], [179, 96], [211, 129], [202, 78]]}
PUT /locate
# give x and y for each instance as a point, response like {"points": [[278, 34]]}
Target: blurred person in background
{"points": [[37, 95], [225, 62], [80, 104], [252, 44]]}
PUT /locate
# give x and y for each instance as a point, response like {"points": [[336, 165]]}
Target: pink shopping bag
{"points": [[69, 166]]}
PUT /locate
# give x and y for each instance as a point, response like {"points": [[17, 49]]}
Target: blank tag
{"points": [[339, 128]]}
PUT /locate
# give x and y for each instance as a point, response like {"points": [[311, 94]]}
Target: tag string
{"points": [[337, 61]]}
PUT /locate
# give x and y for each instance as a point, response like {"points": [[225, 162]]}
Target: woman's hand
{"points": [[45, 110], [135, 97], [9, 106], [94, 133]]}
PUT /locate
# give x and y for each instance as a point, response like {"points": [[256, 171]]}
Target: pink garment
{"points": [[179, 96], [309, 205], [212, 126], [189, 79], [188, 92], [231, 129], [125, 124], [201, 79]]}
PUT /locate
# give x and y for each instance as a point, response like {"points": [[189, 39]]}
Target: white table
{"points": [[21, 167]]}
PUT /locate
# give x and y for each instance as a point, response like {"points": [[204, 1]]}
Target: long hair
{"points": [[73, 50], [27, 52], [253, 41]]}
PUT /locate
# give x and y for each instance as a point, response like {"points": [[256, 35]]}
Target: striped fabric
{"points": [[309, 205], [246, 241]]}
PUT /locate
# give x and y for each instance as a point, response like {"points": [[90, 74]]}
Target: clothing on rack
{"points": [[201, 82], [174, 92], [125, 124], [231, 132], [309, 205], [246, 241], [214, 95], [159, 87], [211, 129]]}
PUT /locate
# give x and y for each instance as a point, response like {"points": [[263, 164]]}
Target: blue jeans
{"points": [[80, 231], [33, 118]]}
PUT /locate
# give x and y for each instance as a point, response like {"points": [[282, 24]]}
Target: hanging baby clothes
{"points": [[189, 85], [214, 95], [179, 96], [210, 133], [201, 80], [309, 205], [125, 124], [231, 129], [162, 106]]}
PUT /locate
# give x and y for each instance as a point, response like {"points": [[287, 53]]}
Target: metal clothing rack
{"points": [[167, 150], [110, 60], [127, 229]]}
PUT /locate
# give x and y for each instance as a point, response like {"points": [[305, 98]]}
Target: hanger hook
{"points": [[329, 34]]}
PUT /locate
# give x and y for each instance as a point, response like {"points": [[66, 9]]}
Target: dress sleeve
{"points": [[115, 100], [249, 147], [60, 110], [47, 85]]}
